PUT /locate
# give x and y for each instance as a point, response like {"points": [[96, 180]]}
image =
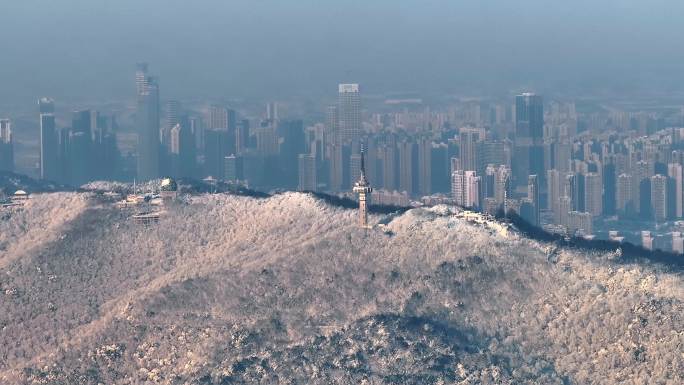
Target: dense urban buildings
{"points": [[576, 171]]}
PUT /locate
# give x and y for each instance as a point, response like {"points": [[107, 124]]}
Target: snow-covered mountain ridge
{"points": [[227, 289]]}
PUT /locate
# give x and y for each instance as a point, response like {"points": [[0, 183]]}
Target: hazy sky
{"points": [[81, 49]]}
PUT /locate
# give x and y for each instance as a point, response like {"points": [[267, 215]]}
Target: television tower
{"points": [[363, 188]]}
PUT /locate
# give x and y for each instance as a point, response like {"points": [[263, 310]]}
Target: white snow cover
{"points": [[228, 289]]}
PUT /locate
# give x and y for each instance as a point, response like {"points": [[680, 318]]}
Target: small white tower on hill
{"points": [[363, 188]]}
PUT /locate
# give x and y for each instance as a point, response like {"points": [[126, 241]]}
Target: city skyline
{"points": [[341, 192]]}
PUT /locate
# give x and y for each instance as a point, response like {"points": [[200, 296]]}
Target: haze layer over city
{"points": [[352, 191]]}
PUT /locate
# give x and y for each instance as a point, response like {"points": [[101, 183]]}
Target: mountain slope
{"points": [[228, 289]]}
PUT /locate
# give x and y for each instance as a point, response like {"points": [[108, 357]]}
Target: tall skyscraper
{"points": [[593, 194], [272, 112], [623, 200], [533, 197], [387, 155], [349, 112], [215, 151], [609, 188], [529, 136], [147, 122], [465, 188], [173, 113], [307, 172], [219, 117], [554, 184], [292, 143], [502, 184], [469, 139], [141, 79], [641, 183], [49, 141], [6, 146], [406, 166], [234, 168], [659, 197], [267, 140], [674, 171], [334, 149], [424, 166], [354, 167], [182, 150], [79, 157]]}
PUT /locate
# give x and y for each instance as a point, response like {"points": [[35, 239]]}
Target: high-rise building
{"points": [[623, 200], [292, 143], [215, 151], [141, 79], [233, 169], [147, 122], [225, 119], [267, 140], [182, 150], [580, 223], [6, 146], [677, 242], [571, 189], [609, 188], [49, 148], [272, 111], [529, 134], [355, 167], [221, 118], [563, 155], [564, 208], [349, 112], [439, 169], [465, 188], [643, 170], [554, 184], [406, 166], [533, 197], [491, 152], [469, 140], [307, 172], [424, 166], [387, 156], [647, 240], [674, 171], [593, 194], [659, 197], [502, 184], [49, 141], [173, 113]]}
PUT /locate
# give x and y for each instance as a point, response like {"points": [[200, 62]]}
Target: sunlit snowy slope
{"points": [[237, 290]]}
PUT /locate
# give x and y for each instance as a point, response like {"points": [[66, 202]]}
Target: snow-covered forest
{"points": [[230, 290]]}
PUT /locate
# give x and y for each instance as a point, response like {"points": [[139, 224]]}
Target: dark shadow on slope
{"points": [[352, 204], [381, 349], [11, 182], [195, 186], [630, 252]]}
